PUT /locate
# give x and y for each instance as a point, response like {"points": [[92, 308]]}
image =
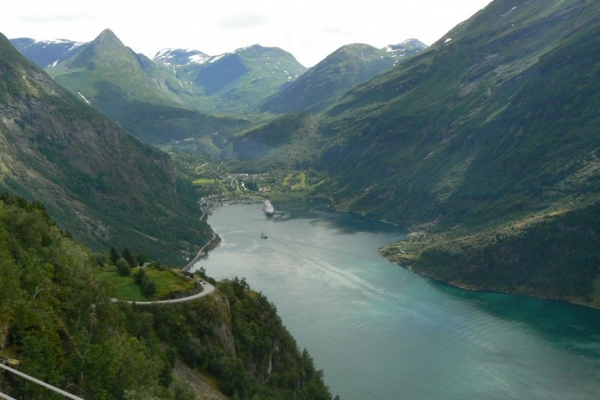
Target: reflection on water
{"points": [[382, 332], [565, 325]]}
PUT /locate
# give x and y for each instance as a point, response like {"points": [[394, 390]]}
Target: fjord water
{"points": [[380, 331]]}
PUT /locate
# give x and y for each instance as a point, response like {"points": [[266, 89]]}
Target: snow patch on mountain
{"points": [[181, 57], [408, 47], [199, 59], [216, 58], [76, 45], [54, 41], [83, 97], [51, 42]]}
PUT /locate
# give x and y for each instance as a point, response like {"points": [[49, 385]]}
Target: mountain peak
{"points": [[4, 40], [354, 47], [407, 48], [414, 42], [108, 36], [255, 47], [256, 50]]}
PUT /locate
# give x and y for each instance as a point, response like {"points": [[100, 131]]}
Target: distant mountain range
{"points": [[233, 82], [176, 95], [46, 53], [128, 87]]}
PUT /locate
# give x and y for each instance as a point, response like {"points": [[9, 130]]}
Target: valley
{"points": [[484, 146], [464, 140]]}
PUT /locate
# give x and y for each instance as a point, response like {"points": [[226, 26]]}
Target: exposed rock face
{"points": [[203, 386], [223, 329]]}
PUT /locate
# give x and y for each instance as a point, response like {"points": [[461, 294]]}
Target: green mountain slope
{"points": [[326, 82], [100, 183], [106, 71], [288, 142], [59, 323], [238, 82], [470, 117], [132, 90]]}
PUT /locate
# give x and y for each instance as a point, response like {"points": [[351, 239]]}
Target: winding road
{"points": [[199, 254], [207, 289]]}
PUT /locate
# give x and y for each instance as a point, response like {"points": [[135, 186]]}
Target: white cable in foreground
{"points": [[44, 384], [3, 396]]}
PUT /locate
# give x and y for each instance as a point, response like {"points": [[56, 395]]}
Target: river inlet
{"points": [[380, 331]]}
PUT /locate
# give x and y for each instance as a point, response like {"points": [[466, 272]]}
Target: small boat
{"points": [[262, 235]]}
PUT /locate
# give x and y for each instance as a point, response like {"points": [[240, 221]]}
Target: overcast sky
{"points": [[309, 29]]}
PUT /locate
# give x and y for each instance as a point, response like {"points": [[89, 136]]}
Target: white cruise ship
{"points": [[268, 208]]}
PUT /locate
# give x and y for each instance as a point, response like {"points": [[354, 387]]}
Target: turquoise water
{"points": [[380, 331]]}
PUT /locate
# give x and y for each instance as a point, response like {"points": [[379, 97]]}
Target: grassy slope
{"points": [[541, 238], [168, 283], [288, 142]]}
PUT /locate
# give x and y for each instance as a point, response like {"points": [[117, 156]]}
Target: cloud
{"points": [[75, 17], [336, 31], [240, 21]]}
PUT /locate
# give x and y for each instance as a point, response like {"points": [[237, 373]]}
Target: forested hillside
{"points": [[58, 322]]}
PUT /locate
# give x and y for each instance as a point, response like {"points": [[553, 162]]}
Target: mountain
{"points": [[144, 97], [98, 182], [485, 145], [326, 82], [235, 82], [137, 93], [474, 109], [46, 53], [106, 71], [117, 81], [487, 139]]}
